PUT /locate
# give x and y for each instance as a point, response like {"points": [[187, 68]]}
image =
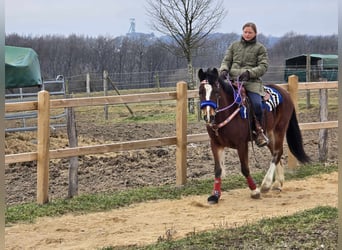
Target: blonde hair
{"points": [[251, 25]]}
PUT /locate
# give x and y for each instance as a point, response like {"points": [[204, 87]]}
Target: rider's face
{"points": [[248, 33]]}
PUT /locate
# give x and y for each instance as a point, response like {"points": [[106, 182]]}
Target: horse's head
{"points": [[209, 93]]}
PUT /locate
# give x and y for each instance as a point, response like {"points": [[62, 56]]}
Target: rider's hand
{"points": [[224, 74], [244, 76]]}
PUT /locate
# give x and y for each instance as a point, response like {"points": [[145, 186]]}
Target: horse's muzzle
{"points": [[209, 119], [208, 114]]}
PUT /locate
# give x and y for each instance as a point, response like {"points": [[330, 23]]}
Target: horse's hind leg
{"points": [[279, 177], [268, 179], [276, 167]]}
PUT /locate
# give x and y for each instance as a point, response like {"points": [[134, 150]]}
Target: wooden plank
{"points": [[102, 100], [318, 125], [198, 138], [62, 153], [22, 157], [181, 130], [113, 147], [193, 94], [284, 86], [43, 144], [21, 106], [317, 85], [312, 85], [105, 148]]}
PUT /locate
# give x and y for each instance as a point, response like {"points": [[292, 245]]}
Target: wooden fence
{"points": [[181, 95]]}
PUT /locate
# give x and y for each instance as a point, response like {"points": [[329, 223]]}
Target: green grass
{"points": [[314, 100], [105, 201], [147, 112], [312, 229]]}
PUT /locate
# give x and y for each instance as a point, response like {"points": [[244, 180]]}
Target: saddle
{"points": [[243, 93], [270, 101]]}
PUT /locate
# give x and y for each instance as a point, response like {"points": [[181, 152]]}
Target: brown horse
{"points": [[221, 105]]}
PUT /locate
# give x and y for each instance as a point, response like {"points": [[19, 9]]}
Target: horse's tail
{"points": [[295, 141]]}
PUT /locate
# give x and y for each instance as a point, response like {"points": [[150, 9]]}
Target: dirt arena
{"points": [[121, 170]]}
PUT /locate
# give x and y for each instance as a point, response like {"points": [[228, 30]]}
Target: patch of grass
{"points": [[106, 201], [314, 99], [311, 229], [309, 170]]}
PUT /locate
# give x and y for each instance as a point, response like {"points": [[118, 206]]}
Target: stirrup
{"points": [[261, 142]]}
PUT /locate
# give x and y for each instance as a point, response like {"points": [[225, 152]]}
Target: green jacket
{"points": [[247, 55]]}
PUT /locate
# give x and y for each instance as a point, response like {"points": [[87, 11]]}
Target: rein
{"points": [[237, 95], [226, 121]]}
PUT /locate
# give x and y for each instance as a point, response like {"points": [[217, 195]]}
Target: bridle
{"points": [[216, 106]]}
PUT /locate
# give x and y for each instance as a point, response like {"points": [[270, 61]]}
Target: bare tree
{"points": [[187, 22]]}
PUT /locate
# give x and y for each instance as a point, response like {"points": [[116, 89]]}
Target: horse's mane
{"points": [[228, 89]]}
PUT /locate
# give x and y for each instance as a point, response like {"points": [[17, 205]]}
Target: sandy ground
{"points": [[146, 222]]}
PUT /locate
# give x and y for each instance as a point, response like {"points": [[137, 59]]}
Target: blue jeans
{"points": [[256, 100]]}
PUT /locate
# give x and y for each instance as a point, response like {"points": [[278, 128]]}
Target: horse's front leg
{"points": [[218, 153], [243, 156]]}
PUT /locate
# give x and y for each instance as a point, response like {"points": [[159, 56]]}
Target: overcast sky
{"points": [[112, 17]]}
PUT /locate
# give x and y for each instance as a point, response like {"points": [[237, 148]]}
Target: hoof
{"points": [[255, 194], [213, 199], [277, 186], [264, 189], [279, 189]]}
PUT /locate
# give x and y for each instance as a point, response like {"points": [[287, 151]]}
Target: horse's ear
{"points": [[215, 71], [201, 74]]}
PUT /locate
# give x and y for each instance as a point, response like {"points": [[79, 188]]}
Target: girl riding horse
{"points": [[221, 108]]}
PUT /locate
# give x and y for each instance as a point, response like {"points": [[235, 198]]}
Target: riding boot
{"points": [[261, 139]]}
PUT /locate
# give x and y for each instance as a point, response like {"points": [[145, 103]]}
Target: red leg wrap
{"points": [[217, 187], [251, 183]]}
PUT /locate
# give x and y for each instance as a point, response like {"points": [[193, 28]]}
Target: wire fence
{"points": [[92, 84], [161, 79]]}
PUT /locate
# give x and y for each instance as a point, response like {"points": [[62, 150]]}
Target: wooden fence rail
{"points": [[181, 95]]}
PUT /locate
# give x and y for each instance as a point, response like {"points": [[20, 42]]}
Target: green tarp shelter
{"points": [[22, 68], [321, 66]]}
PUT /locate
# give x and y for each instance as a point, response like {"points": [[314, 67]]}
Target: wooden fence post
{"points": [[105, 90], [323, 133], [73, 161], [293, 89], [88, 83], [181, 133], [43, 137], [308, 79]]}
